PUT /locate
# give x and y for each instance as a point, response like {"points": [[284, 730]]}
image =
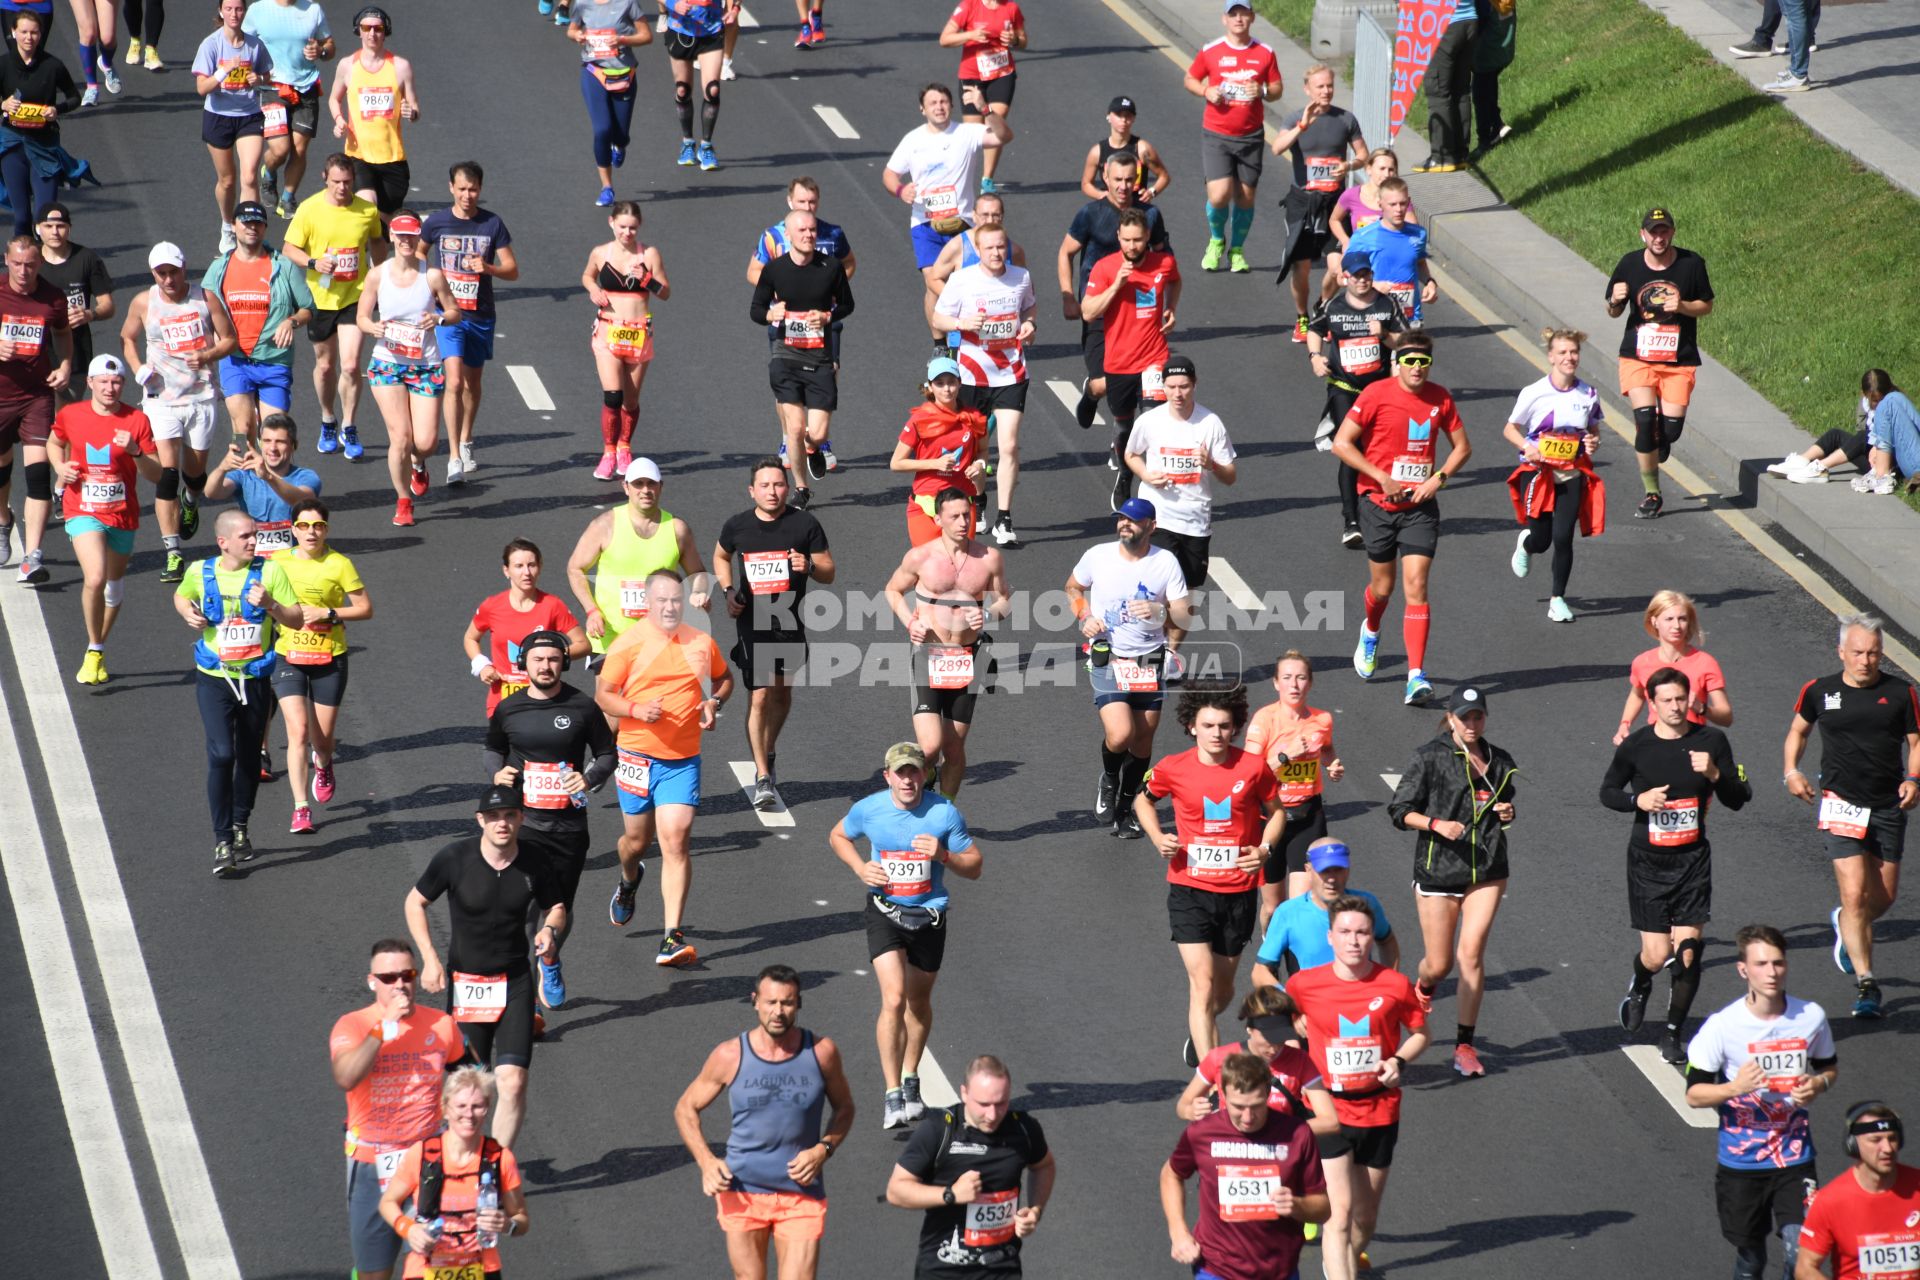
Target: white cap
{"points": [[107, 366], [643, 469], [166, 254]]}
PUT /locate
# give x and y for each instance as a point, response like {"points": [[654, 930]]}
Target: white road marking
{"points": [[774, 817], [531, 389], [98, 1145], [836, 122], [935, 1089], [1070, 396], [819, 902], [1669, 1084], [1232, 583], [182, 1167], [747, 19], [1392, 780]]}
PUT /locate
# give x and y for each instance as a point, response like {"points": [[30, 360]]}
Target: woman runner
{"points": [[413, 299], [310, 664], [620, 277], [1556, 426]]}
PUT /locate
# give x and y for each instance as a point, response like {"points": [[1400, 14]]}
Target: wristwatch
{"points": [[946, 1196]]}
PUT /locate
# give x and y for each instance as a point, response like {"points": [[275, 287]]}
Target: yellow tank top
{"points": [[373, 113], [620, 575]]}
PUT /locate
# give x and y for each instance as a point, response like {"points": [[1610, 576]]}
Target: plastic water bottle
{"points": [[487, 1198], [434, 1229]]}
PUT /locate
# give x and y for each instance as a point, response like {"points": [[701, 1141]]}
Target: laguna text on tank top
{"points": [[776, 1113], [173, 330], [407, 312]]}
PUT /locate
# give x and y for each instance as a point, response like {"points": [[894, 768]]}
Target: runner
{"points": [[1397, 247], [80, 273], [991, 306], [1458, 792], [989, 210], [266, 296], [695, 34], [41, 91], [666, 683], [1235, 74], [441, 1179], [98, 448], [1133, 607], [962, 1168], [265, 483], [1556, 426], [509, 617], [608, 31], [1092, 237], [1759, 1062], [1319, 143], [187, 332], [762, 562], [332, 235], [310, 668], [233, 601], [1150, 175], [486, 976], [1297, 936], [621, 548], [941, 447], [95, 22], [1667, 775], [621, 277], [830, 239], [1359, 205], [947, 620], [1869, 777], [1364, 1023], [1296, 741], [1350, 344], [936, 170], [913, 840], [298, 40], [390, 1059], [229, 70], [803, 294], [1261, 1179], [372, 96], [1865, 1217], [415, 303], [770, 1183], [1663, 291], [986, 32], [1227, 818], [1393, 453], [1673, 620], [32, 372], [550, 741], [1295, 1089], [1134, 337], [1178, 450], [473, 248]]}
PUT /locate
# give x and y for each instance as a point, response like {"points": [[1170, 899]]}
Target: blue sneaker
{"points": [[688, 153], [620, 907], [350, 442], [553, 985], [1364, 652], [546, 7], [605, 198], [1840, 956], [986, 187], [619, 156], [1419, 689], [561, 17], [1867, 1005], [329, 437], [707, 160]]}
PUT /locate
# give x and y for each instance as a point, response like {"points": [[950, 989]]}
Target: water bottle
{"points": [[434, 1229], [487, 1198]]}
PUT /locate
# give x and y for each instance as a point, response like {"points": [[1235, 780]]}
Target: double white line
{"points": [[126, 1239]]}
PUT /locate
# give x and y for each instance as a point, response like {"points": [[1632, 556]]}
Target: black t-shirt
{"points": [[1863, 736], [820, 284], [760, 551], [1646, 760], [1346, 331], [1002, 1158], [82, 278], [566, 729], [1097, 228], [1652, 335], [489, 908]]}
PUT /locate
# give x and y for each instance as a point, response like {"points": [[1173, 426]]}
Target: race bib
{"points": [[310, 647], [346, 263], [990, 1219], [181, 334], [1299, 781], [273, 535], [998, 332], [387, 1163], [26, 333], [1411, 470], [1839, 818], [1889, 1255], [545, 785], [1182, 466], [1784, 1062], [273, 120], [458, 1271], [233, 75], [993, 63], [1213, 861], [465, 287], [376, 104], [941, 202], [950, 666], [1323, 173], [479, 997], [1559, 450], [102, 491], [1353, 1062], [1243, 90], [405, 339], [628, 341], [909, 874], [1153, 383], [769, 573], [633, 597], [237, 641], [634, 773], [603, 43], [1657, 343], [803, 332], [1400, 291], [1134, 677], [1677, 824], [1360, 355], [1246, 1192], [28, 115]]}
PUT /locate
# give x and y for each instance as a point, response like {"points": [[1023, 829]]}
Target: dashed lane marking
{"points": [[1070, 397], [1669, 1084], [527, 382], [835, 121], [774, 817], [1232, 583]]}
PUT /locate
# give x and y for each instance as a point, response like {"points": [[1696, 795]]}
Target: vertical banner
{"points": [[1422, 23]]}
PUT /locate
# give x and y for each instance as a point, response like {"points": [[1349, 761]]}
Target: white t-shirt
{"points": [[1764, 1129], [989, 355], [1545, 410], [944, 168], [1112, 580], [1182, 450]]}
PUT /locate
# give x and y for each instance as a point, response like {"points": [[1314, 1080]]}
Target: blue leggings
{"points": [[611, 113], [27, 190], [235, 732]]}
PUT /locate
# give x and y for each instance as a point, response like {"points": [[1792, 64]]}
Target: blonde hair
{"points": [[458, 1082], [1315, 70], [1550, 336], [1665, 600], [1294, 655]]}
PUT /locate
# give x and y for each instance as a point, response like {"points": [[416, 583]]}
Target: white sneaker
{"points": [[1786, 82], [1323, 435], [1522, 561], [456, 472], [1810, 473], [91, 98], [227, 240], [1881, 485], [108, 76], [1860, 484], [1788, 465], [726, 70], [1557, 610], [466, 458]]}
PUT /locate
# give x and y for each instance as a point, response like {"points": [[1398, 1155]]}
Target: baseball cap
{"points": [[942, 364], [1466, 698], [1277, 1028], [1656, 216], [166, 254], [54, 211], [643, 469], [1238, 4], [105, 366], [1182, 365], [1357, 264], [545, 639], [1138, 509], [1329, 855], [905, 753], [404, 224], [1122, 106], [498, 797], [249, 211]]}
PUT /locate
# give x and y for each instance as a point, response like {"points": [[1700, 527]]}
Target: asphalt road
{"points": [[1563, 1161]]}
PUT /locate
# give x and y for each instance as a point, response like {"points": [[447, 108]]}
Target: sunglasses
{"points": [[398, 975], [1415, 359], [309, 524]]}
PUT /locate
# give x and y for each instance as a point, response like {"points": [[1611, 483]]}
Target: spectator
{"points": [[1838, 446], [1893, 429], [1492, 54], [1449, 86], [1798, 76], [1762, 45]]}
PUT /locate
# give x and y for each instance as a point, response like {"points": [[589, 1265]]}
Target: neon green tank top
{"points": [[620, 575]]}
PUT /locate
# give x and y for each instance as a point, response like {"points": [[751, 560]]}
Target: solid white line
{"points": [[935, 1089], [774, 817], [836, 122], [1233, 584], [531, 389], [182, 1167], [126, 1242], [1391, 779], [747, 19], [1070, 396], [1669, 1084]]}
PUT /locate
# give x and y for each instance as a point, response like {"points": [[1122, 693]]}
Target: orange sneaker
{"points": [[1467, 1062]]}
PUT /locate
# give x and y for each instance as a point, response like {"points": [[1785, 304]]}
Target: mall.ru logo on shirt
{"points": [[1358, 1028], [102, 456], [1220, 810]]}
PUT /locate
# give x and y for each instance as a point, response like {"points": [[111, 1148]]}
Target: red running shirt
{"points": [[1134, 341], [1398, 433], [1217, 810], [1238, 74], [104, 448], [1700, 669], [1867, 1234], [1290, 1068], [993, 60], [1353, 1027], [506, 627]]}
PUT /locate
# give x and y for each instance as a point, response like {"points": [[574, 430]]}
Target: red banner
{"points": [[1422, 23]]}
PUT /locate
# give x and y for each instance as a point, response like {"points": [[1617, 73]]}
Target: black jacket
{"points": [[1440, 784]]}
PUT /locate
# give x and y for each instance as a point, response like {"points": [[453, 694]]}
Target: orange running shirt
{"points": [[645, 663], [399, 1101]]}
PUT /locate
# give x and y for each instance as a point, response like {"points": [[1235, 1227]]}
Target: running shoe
{"points": [[1084, 411], [1558, 610], [826, 455], [1419, 689], [619, 156], [910, 1098], [302, 824], [1810, 473], [1210, 260], [1633, 1005], [1840, 957], [1859, 484], [150, 59], [553, 984], [329, 437], [108, 76], [134, 49], [1787, 465], [726, 70], [1189, 1054], [708, 161], [539, 1026], [350, 443], [1867, 1003], [176, 567], [1787, 82], [1122, 489], [605, 198], [1362, 1262], [675, 949], [322, 782], [33, 572], [269, 186], [1300, 334], [1522, 561], [93, 668], [403, 512], [1238, 264], [800, 499], [604, 469], [894, 1114], [986, 186], [622, 459], [1311, 1230], [223, 864], [802, 41], [1436, 166], [1350, 535], [456, 470], [816, 36], [417, 482], [1673, 1050], [243, 850], [1104, 796], [6, 545], [1365, 654], [189, 517], [689, 155], [285, 207], [546, 7], [1882, 485], [560, 16], [620, 906], [1003, 533], [1126, 825], [467, 464], [1323, 434], [1466, 1062], [816, 465], [227, 239], [764, 796], [90, 98], [1649, 508]]}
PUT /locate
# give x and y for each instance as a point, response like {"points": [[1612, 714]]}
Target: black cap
{"points": [[545, 639], [498, 797], [1277, 1028], [54, 211], [1466, 698], [250, 211], [1657, 216], [1122, 105], [1182, 365]]}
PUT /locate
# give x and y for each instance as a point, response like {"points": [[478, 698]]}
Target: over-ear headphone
{"points": [[372, 11], [1871, 1117], [552, 639]]}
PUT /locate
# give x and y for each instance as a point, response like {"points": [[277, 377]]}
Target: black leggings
{"points": [[144, 18], [1854, 442], [235, 731], [1558, 527]]}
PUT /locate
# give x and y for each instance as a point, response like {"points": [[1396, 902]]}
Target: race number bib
{"points": [[998, 332], [803, 332], [1212, 861], [26, 333], [102, 491], [1783, 1061], [1657, 343], [1182, 466], [273, 120], [950, 666], [387, 1163], [1360, 355], [479, 997], [1889, 1255], [28, 115], [1839, 818], [1677, 824], [376, 104], [310, 647], [346, 263], [181, 334], [626, 341], [1323, 173], [545, 785], [1559, 450], [237, 641], [1130, 676], [941, 202], [993, 63], [990, 1219], [633, 597], [1411, 470], [1239, 90], [233, 75], [1299, 781], [603, 43], [457, 1271], [1153, 383], [634, 773], [1246, 1192], [465, 287], [405, 339], [1401, 291], [909, 873], [769, 573], [1353, 1062]]}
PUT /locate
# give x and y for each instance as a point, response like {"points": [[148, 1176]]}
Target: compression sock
{"points": [[1132, 773], [683, 107], [609, 426], [629, 419], [196, 485], [1642, 976], [1413, 628], [1242, 223], [1216, 222], [1376, 610], [88, 56], [1110, 761], [170, 542], [1463, 1033], [1686, 984], [1650, 481]]}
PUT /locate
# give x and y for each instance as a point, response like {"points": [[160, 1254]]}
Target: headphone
{"points": [[551, 639], [373, 11], [1882, 1120]]}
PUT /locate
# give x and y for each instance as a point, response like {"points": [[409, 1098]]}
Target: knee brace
{"points": [[712, 92], [195, 483], [611, 399], [682, 94], [1646, 429], [40, 481], [115, 588], [167, 488], [683, 107], [1671, 427]]}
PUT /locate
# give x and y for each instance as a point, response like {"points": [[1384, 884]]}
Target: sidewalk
{"points": [[1733, 433]]}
